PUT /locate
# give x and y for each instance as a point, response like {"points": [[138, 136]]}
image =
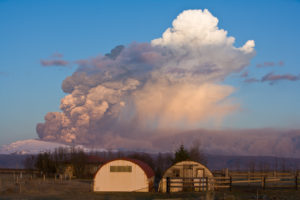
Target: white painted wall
{"points": [[121, 181]]}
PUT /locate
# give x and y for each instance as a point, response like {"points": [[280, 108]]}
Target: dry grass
{"points": [[36, 189], [28, 185]]}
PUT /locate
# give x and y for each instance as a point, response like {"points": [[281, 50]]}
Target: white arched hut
{"points": [[124, 175], [187, 175]]}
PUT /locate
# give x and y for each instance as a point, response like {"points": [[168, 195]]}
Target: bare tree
{"points": [[145, 157], [196, 154], [78, 161], [45, 163]]}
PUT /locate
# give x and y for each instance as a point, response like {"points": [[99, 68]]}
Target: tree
{"points": [[181, 155], [196, 154], [162, 162], [78, 161], [45, 163], [145, 157]]}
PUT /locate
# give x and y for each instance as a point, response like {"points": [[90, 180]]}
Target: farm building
{"points": [[124, 175], [186, 175]]}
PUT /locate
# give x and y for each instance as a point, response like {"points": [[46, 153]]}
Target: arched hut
{"points": [[124, 175], [187, 175]]}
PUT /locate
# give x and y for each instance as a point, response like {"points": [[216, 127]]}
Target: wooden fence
{"points": [[15, 171], [187, 184], [228, 173], [216, 183]]}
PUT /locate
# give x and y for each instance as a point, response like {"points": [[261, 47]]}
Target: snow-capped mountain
{"points": [[35, 146]]}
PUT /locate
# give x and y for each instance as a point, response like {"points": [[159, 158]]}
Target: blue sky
{"points": [[35, 30]]}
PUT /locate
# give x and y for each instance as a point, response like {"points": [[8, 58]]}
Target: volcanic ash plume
{"points": [[172, 82]]}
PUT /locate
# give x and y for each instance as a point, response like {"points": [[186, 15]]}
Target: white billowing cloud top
{"points": [[197, 28], [201, 49]]}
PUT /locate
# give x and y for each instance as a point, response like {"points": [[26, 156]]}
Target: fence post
{"points": [[206, 179], [230, 183], [200, 184], [296, 182], [168, 184], [248, 178], [226, 172], [263, 182]]}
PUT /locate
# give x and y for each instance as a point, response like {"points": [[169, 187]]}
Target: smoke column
{"points": [[175, 81]]}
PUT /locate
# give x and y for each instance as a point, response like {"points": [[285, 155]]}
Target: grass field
{"points": [[37, 188]]}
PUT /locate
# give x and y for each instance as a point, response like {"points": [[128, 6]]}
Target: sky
{"points": [[33, 33]]}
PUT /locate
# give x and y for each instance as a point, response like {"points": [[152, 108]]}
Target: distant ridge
{"points": [[35, 146]]}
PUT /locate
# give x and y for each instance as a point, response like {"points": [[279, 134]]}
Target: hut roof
{"points": [[190, 163], [145, 167]]}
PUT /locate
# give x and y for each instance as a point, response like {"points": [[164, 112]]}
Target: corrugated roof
{"points": [[145, 167]]}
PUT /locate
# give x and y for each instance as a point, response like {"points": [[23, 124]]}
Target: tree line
{"points": [[49, 163]]}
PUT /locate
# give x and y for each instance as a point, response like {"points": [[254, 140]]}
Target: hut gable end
{"points": [[124, 175]]}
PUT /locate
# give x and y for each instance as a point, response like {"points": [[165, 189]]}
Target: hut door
{"points": [[188, 171], [188, 178]]}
